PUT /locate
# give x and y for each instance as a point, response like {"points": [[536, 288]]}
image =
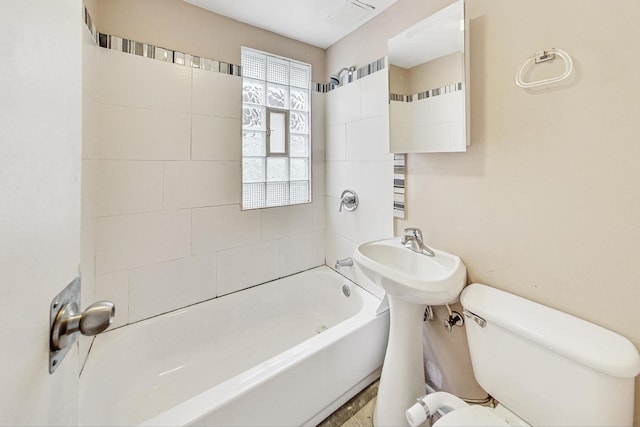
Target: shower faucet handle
{"points": [[348, 199]]}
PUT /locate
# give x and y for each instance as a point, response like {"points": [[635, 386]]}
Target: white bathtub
{"points": [[285, 353]]}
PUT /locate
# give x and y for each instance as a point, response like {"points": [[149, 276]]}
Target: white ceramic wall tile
{"points": [[88, 262], [223, 227], [342, 176], [339, 247], [346, 224], [88, 178], [136, 81], [142, 134], [376, 183], [318, 184], [286, 221], [435, 136], [90, 126], [216, 94], [457, 135], [318, 126], [319, 214], [216, 138], [246, 266], [371, 221], [89, 198], [343, 104], [164, 287], [114, 287], [368, 140], [125, 187], [201, 183], [361, 163], [336, 142], [374, 221], [129, 241], [299, 253], [375, 94], [90, 70]]}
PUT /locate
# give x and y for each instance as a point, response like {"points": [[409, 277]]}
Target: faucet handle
{"points": [[348, 199], [415, 231]]}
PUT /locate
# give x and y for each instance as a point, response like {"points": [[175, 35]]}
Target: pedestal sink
{"points": [[412, 281]]}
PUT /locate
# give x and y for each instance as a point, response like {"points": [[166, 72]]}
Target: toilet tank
{"points": [[546, 366]]}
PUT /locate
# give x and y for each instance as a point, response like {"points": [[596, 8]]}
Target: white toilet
{"points": [[543, 366]]}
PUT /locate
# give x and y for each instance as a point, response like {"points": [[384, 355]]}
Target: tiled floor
{"points": [[357, 412], [362, 418]]}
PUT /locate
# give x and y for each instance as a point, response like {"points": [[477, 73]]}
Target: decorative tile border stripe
{"points": [[320, 87], [90, 25], [456, 87], [146, 50], [399, 171], [373, 67], [166, 55], [158, 53]]}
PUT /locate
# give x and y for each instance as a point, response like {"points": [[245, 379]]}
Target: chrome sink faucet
{"points": [[413, 240]]}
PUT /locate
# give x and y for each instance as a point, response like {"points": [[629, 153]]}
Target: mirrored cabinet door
{"points": [[428, 75]]}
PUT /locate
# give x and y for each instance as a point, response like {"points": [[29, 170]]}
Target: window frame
{"points": [[270, 153]]}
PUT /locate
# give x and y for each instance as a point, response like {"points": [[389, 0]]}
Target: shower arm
{"points": [[336, 78]]}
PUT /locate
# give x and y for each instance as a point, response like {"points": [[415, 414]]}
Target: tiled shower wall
{"points": [[358, 158], [88, 185], [169, 231]]}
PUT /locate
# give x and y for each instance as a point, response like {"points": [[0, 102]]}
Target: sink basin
{"points": [[412, 281], [410, 276]]}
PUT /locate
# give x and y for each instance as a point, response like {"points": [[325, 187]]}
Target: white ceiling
{"points": [[317, 22]]}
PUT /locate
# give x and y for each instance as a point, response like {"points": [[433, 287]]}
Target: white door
{"points": [[40, 142]]}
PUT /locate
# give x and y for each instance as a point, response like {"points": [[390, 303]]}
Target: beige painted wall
{"points": [[439, 72], [398, 80], [92, 7], [177, 25], [545, 203]]}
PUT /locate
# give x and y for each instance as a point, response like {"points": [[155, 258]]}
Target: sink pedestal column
{"points": [[402, 379]]}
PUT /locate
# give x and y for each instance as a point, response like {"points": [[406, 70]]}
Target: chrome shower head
{"points": [[336, 79]]}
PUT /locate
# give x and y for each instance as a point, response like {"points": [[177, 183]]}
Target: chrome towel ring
{"points": [[544, 56]]}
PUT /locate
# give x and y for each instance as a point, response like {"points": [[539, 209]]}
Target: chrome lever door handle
{"points": [[95, 319]]}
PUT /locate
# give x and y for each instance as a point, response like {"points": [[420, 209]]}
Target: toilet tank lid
{"points": [[577, 339]]}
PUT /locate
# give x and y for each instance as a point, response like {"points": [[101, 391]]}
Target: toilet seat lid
{"points": [[471, 416]]}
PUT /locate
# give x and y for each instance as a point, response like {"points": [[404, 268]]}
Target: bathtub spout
{"points": [[345, 262]]}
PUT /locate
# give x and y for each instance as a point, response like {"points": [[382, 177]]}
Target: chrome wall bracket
{"points": [[65, 320]]}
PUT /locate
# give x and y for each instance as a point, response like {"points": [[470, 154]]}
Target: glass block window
{"points": [[276, 130]]}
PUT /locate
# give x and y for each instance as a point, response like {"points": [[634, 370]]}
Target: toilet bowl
{"points": [[543, 366]]}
